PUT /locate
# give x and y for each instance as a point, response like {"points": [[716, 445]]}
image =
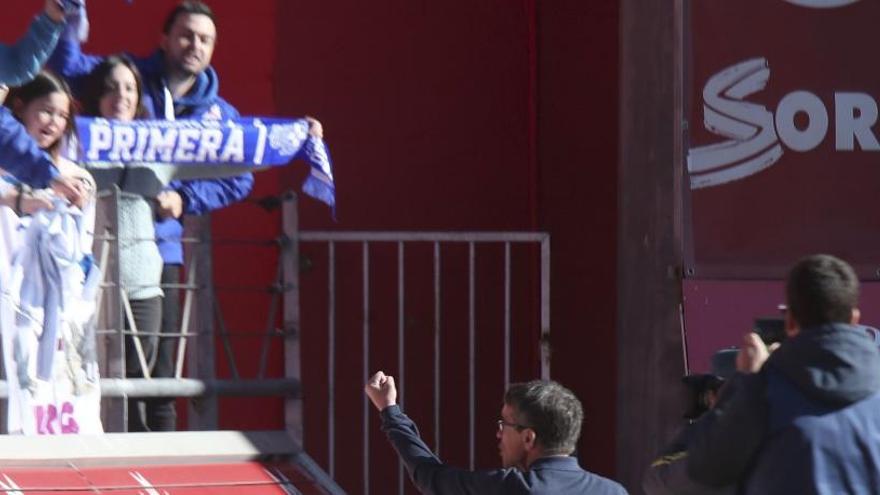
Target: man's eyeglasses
{"points": [[501, 424]]}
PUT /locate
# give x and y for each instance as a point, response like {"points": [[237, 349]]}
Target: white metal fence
{"points": [[202, 323], [367, 241]]}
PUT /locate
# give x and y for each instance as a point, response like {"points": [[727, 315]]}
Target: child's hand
{"points": [[31, 204], [71, 188], [55, 10]]}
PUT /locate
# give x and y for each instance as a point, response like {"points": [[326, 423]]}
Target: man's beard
{"points": [[179, 69]]}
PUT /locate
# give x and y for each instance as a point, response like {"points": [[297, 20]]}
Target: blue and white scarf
{"points": [[250, 142]]}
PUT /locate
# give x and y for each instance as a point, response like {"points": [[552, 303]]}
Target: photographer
{"points": [[667, 474], [806, 418]]}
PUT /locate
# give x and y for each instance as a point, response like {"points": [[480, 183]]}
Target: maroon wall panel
{"points": [[577, 117], [791, 173], [427, 115], [424, 105], [458, 115]]}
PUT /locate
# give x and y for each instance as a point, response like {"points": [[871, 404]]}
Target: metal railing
{"points": [[437, 240], [196, 336], [202, 322]]}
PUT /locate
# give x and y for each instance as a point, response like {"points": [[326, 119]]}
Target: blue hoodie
{"points": [[19, 63], [22, 61], [20, 155], [201, 102], [807, 423]]}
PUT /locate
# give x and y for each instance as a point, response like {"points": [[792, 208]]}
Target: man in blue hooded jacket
{"points": [[806, 418], [179, 83]]}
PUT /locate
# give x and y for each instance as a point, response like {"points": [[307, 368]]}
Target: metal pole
{"points": [[224, 339], [472, 373], [366, 361], [401, 344], [274, 299], [545, 308], [191, 273], [135, 338], [293, 411], [202, 414], [506, 315], [114, 411], [331, 358], [437, 328]]}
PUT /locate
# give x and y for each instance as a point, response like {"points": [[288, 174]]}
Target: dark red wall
{"points": [[577, 157], [486, 116], [428, 112], [456, 115]]}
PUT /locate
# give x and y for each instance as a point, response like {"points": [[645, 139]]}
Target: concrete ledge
{"points": [[147, 448], [189, 387]]}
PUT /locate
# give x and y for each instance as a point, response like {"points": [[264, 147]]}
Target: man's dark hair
{"points": [[821, 289], [551, 410], [187, 7]]}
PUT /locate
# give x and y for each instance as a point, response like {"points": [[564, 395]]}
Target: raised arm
{"points": [[68, 60], [20, 62], [426, 470]]}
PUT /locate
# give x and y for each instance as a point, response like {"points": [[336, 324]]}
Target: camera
{"points": [[771, 330], [700, 391], [703, 388]]}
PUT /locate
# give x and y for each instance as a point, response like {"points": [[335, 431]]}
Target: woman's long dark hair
{"points": [[44, 84], [96, 86]]}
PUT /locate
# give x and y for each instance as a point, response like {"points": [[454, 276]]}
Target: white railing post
{"points": [[202, 414], [110, 315], [289, 259]]}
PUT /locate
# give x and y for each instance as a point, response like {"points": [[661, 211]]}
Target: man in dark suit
{"points": [[539, 427]]}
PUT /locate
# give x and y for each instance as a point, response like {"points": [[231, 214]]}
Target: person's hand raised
{"points": [[315, 127], [381, 390], [753, 353], [55, 10]]}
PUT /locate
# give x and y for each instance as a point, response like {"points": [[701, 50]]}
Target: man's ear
{"points": [[856, 315], [163, 42], [530, 438]]}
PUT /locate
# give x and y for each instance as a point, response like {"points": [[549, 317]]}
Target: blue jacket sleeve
{"points": [[69, 61], [22, 61], [203, 195], [429, 474], [20, 155]]}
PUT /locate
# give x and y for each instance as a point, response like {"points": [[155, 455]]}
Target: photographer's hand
{"points": [[753, 353]]}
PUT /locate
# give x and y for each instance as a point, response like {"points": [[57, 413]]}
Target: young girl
{"points": [[48, 291], [44, 107]]}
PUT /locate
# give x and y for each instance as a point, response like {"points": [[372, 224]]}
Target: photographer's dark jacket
{"points": [[667, 475], [808, 423]]}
